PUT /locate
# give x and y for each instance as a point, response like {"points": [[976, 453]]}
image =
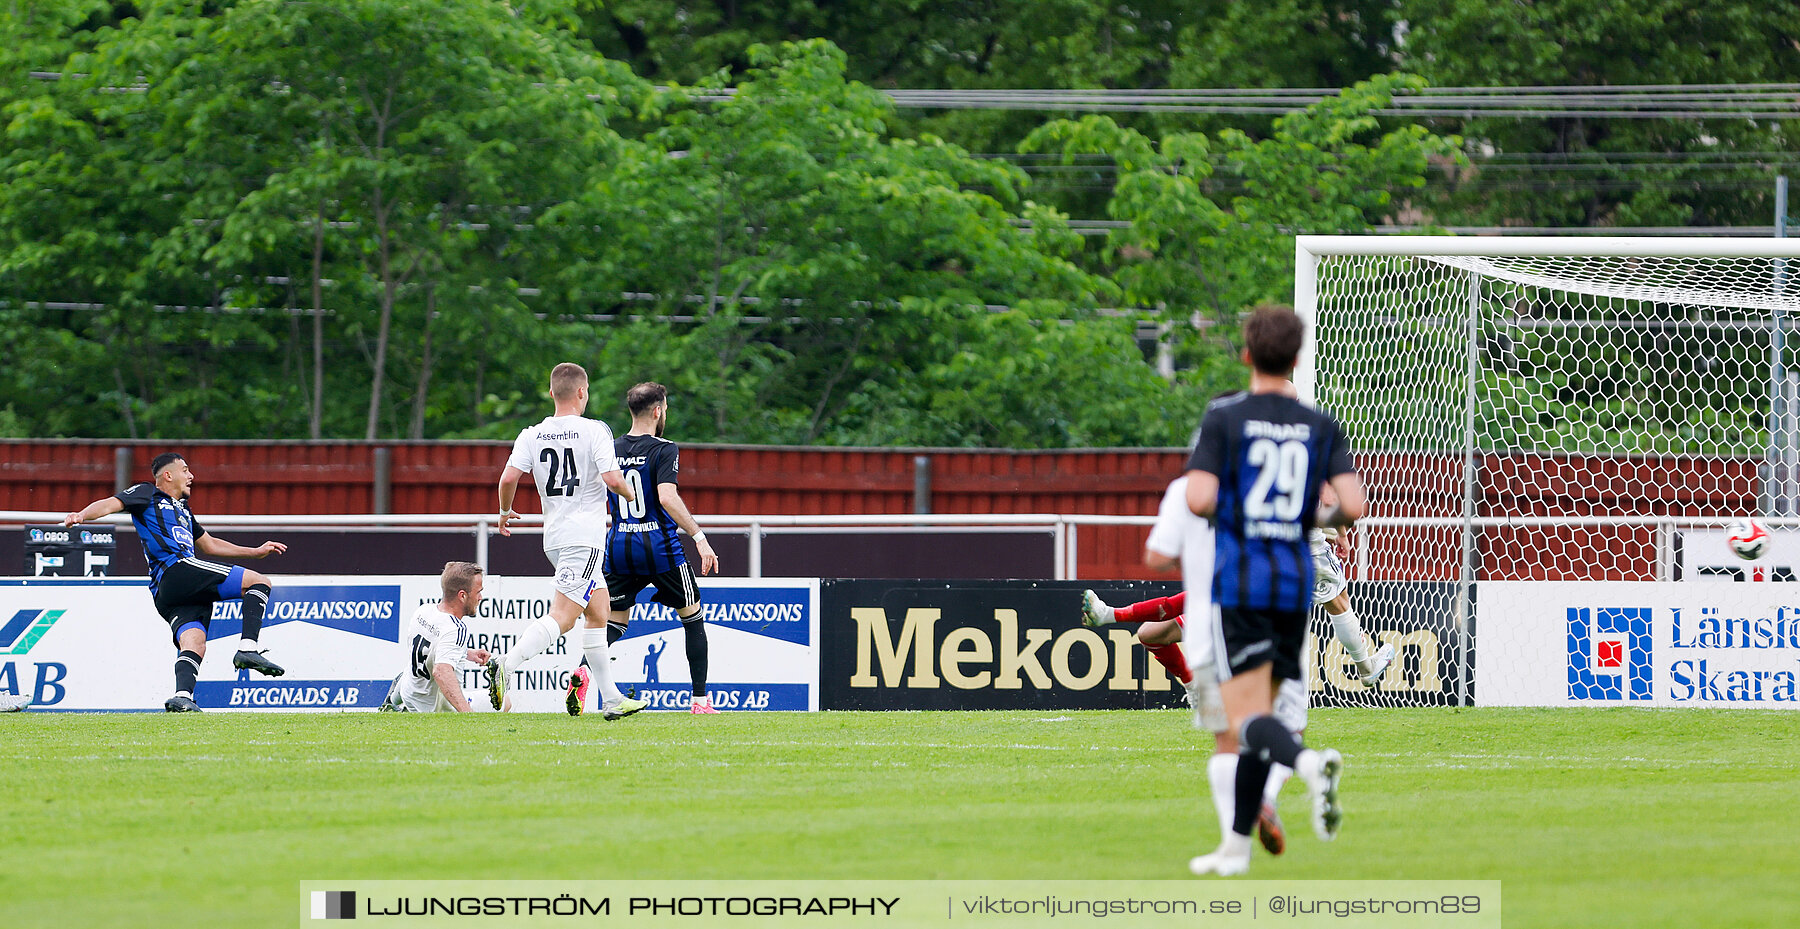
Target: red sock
{"points": [[1150, 611], [1170, 657]]}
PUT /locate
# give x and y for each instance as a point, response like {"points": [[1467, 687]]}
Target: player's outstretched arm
{"points": [[105, 506], [209, 544], [450, 687], [670, 497]]}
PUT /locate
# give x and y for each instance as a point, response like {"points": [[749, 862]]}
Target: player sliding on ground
{"points": [[183, 585], [570, 457], [1256, 471], [436, 643]]}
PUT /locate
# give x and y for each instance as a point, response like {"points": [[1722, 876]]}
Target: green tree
{"points": [[1211, 219], [1585, 171], [424, 133], [803, 261]]}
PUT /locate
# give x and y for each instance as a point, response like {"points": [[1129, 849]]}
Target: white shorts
{"points": [[578, 572], [1328, 572], [1209, 705]]}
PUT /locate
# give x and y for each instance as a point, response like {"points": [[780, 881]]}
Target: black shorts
{"points": [[1243, 639], [190, 587], [675, 588]]}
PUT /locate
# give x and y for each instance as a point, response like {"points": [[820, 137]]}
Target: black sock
{"points": [[614, 632], [1252, 777], [696, 652], [187, 671], [1267, 738], [256, 600]]}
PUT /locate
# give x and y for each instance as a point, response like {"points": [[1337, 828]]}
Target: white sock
{"points": [[1221, 773], [248, 645], [531, 644], [1347, 629], [185, 693], [703, 699], [1307, 766], [1278, 775], [593, 644]]}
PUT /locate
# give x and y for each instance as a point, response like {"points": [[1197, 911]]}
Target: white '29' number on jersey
{"points": [[633, 509], [1281, 467]]}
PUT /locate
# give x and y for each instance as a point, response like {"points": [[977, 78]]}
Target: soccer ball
{"points": [[1747, 538]]}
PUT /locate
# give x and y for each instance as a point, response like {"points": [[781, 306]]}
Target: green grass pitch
{"points": [[1613, 817]]}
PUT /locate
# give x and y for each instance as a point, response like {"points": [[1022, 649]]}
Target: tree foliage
{"points": [[389, 218]]}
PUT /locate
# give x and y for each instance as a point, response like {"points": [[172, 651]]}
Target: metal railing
{"points": [[1063, 528], [756, 528]]}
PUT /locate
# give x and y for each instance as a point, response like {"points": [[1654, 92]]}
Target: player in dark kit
{"points": [[642, 548], [184, 586], [1256, 471]]}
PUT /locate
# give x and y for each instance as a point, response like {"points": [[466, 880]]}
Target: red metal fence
{"points": [[309, 478]]}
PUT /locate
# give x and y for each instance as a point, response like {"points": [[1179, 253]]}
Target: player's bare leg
{"points": [[1162, 639], [1160, 632]]}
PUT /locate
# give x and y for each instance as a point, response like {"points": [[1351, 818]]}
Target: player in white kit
{"points": [[571, 459], [436, 644]]}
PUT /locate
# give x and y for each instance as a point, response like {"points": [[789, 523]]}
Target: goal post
{"points": [[1546, 425]]}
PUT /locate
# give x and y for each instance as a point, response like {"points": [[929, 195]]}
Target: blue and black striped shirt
{"points": [[643, 540], [165, 526], [1271, 453]]}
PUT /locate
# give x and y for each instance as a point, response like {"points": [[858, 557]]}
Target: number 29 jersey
{"points": [[565, 456], [1271, 453]]}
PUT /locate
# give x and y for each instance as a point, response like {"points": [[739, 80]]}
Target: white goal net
{"points": [[1528, 409]]}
